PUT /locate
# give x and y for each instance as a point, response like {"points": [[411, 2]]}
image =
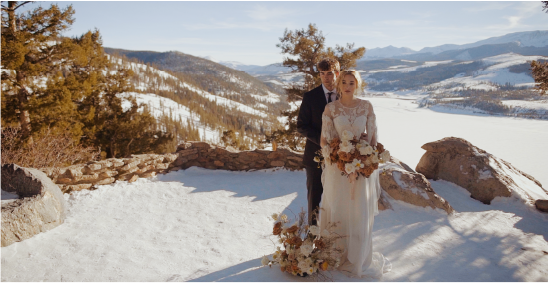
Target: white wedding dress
{"points": [[353, 209]]}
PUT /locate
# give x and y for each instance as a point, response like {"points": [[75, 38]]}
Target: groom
{"points": [[309, 124]]}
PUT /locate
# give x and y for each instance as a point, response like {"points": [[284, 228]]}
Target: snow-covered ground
{"points": [[214, 225]]}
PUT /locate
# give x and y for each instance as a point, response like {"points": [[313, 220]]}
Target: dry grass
{"points": [[47, 150]]}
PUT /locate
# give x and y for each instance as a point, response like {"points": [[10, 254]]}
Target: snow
{"points": [[270, 97], [397, 177], [214, 225], [159, 106], [403, 128], [496, 72]]}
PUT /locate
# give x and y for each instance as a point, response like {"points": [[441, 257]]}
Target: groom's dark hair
{"points": [[328, 64]]}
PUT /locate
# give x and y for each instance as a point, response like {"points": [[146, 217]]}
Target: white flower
{"points": [[347, 135], [363, 142], [303, 266], [274, 216], [349, 168], [306, 250], [315, 230], [309, 261], [283, 217], [366, 149], [265, 260], [311, 270], [346, 146], [357, 164], [385, 156], [373, 158]]}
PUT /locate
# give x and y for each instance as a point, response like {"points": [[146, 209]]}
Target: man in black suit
{"points": [[309, 124]]}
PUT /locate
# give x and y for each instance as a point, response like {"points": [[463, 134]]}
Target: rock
{"points": [[200, 145], [541, 205], [73, 188], [117, 162], [219, 163], [161, 166], [106, 181], [108, 173], [169, 158], [484, 175], [40, 208], [133, 178], [410, 187], [277, 163]]}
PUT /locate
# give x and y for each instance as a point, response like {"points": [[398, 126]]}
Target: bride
{"points": [[352, 204]]}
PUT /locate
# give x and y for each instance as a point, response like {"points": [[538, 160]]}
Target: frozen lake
{"points": [[403, 128]]}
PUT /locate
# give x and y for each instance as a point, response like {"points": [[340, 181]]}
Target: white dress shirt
{"points": [[334, 93]]}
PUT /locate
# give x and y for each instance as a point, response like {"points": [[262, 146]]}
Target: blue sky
{"points": [[248, 32]]}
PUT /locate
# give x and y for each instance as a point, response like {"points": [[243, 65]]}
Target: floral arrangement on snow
{"points": [[353, 155], [305, 249]]}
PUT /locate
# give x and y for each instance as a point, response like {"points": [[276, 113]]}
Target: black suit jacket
{"points": [[309, 122]]}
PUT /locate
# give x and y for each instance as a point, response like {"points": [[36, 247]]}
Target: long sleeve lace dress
{"points": [[353, 209]]}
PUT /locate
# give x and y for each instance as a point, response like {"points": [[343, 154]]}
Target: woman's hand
{"points": [[364, 136]]}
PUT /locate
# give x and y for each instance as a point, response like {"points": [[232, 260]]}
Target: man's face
{"points": [[328, 78]]}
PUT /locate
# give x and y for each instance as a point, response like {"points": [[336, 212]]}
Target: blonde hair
{"points": [[356, 75]]}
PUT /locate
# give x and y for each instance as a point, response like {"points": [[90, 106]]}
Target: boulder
{"points": [[401, 183], [484, 175], [40, 207], [541, 205]]}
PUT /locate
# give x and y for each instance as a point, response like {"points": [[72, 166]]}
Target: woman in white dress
{"points": [[352, 205]]}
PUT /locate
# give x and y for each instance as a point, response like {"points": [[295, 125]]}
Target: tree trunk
{"points": [[11, 16]]}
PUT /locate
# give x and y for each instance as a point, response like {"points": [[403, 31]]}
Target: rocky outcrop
{"points": [[87, 176], [40, 207], [214, 157], [201, 154], [484, 175], [400, 182], [541, 205]]}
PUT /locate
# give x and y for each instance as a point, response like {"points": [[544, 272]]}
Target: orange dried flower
{"points": [[324, 266], [292, 229], [277, 229], [319, 244]]}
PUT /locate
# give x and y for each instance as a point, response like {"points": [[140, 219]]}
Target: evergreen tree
{"points": [[29, 52], [539, 72], [306, 49]]}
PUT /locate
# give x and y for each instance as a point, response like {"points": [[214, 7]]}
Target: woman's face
{"points": [[348, 85]]}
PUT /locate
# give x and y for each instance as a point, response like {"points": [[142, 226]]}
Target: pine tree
{"points": [[306, 49], [27, 54], [539, 72]]}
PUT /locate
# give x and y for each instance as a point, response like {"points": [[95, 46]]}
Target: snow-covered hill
{"points": [[149, 81], [496, 72]]}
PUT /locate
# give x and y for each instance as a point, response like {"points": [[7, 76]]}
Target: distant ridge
{"points": [[525, 43]]}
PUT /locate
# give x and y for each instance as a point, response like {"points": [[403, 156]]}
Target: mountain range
{"points": [[533, 39]]}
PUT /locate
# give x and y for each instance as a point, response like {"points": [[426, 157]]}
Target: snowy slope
{"points": [[159, 106], [496, 72]]}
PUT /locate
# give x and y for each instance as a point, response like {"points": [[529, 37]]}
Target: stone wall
{"points": [[201, 154]]}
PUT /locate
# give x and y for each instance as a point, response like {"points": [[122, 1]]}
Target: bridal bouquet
{"points": [[353, 155], [305, 249]]}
